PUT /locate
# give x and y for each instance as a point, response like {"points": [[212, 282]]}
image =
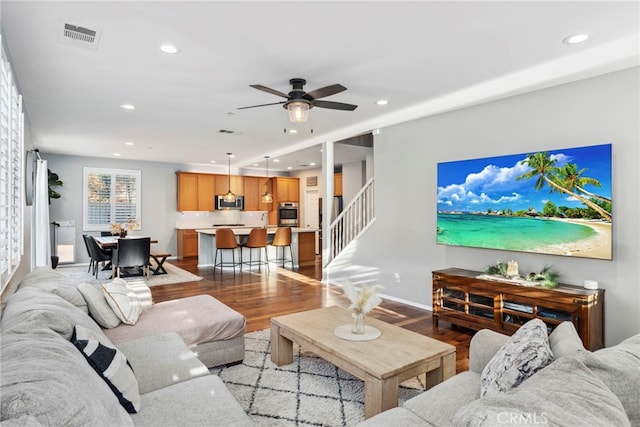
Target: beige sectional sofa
{"points": [[49, 374], [577, 388]]}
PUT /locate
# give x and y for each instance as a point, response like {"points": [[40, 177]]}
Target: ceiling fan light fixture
{"points": [[298, 111], [230, 196]]}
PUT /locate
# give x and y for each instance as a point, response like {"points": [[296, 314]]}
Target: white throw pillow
{"points": [[99, 309], [526, 352], [111, 364], [122, 301]]}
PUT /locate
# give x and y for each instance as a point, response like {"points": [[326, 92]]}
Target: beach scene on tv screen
{"points": [[552, 202]]}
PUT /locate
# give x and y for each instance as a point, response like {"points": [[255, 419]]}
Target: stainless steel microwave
{"points": [[238, 204]]}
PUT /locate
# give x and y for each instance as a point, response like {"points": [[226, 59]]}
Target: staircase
{"points": [[352, 221]]}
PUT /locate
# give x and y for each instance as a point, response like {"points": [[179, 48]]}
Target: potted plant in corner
{"points": [[54, 181]]}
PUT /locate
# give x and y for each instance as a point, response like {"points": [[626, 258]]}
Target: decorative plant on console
{"points": [[361, 303], [546, 277]]}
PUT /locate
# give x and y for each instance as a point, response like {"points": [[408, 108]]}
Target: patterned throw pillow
{"points": [[123, 301], [111, 364], [526, 352]]}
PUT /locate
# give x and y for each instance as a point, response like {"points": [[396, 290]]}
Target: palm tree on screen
{"points": [[543, 169]]}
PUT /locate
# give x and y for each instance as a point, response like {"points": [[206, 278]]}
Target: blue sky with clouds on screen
{"points": [[490, 183]]}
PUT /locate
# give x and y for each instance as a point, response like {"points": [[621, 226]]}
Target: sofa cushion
{"points": [[122, 301], [525, 352], [565, 393], [111, 364], [56, 283], [161, 360], [99, 309], [44, 377], [32, 307], [196, 319], [438, 404], [565, 341], [166, 406], [400, 417], [619, 368]]}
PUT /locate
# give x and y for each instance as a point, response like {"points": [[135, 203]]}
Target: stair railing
{"points": [[352, 221]]}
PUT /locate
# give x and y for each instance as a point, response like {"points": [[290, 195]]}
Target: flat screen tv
{"points": [[549, 202]]}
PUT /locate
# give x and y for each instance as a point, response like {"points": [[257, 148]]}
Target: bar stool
{"points": [[226, 240], [257, 240], [282, 239]]}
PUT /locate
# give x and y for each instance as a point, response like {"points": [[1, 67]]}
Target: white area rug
{"points": [[308, 392], [174, 275]]}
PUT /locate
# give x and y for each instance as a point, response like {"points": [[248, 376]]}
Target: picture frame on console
{"points": [[554, 202]]}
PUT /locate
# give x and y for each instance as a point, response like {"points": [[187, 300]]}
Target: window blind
{"points": [[11, 172], [112, 196]]}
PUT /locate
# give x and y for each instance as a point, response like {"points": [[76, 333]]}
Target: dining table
{"points": [[111, 242]]}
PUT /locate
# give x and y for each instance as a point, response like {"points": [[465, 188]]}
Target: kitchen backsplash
{"points": [[207, 219]]}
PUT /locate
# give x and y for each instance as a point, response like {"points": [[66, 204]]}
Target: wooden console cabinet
{"points": [[461, 298]]}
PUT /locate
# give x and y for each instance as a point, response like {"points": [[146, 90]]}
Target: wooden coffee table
{"points": [[383, 363]]}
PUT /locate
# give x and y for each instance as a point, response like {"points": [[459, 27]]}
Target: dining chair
{"points": [[131, 252], [282, 239], [257, 240], [97, 254], [85, 238], [225, 241]]}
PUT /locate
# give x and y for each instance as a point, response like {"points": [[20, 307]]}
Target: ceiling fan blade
{"points": [[335, 105], [324, 91], [269, 90], [261, 105]]}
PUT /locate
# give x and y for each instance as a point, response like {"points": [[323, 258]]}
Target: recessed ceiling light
{"points": [[129, 143], [293, 131], [117, 154], [289, 167], [128, 107], [212, 161], [169, 48], [255, 164], [276, 160], [312, 163], [382, 102], [575, 38]]}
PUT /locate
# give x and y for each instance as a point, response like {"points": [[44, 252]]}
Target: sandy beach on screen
{"points": [[598, 246]]}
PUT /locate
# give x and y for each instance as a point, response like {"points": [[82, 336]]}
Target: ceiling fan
{"points": [[299, 102]]}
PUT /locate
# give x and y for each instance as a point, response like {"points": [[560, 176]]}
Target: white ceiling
{"points": [[424, 57]]}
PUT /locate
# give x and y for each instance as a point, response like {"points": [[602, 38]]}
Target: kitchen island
{"points": [[302, 245]]}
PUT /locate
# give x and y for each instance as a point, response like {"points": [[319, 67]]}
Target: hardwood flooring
{"points": [[260, 296]]}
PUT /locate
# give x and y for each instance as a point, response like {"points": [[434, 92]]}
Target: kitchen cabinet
{"points": [[187, 243], [195, 191], [254, 188], [287, 189], [337, 184], [222, 184]]}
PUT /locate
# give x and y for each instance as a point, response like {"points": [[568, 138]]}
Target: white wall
{"points": [[402, 240]]}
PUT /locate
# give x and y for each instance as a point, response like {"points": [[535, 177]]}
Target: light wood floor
{"points": [[260, 296]]}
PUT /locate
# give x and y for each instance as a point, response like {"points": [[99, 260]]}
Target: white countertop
{"points": [[246, 230]]}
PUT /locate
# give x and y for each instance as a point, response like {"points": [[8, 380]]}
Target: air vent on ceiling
{"points": [[76, 35], [226, 131]]}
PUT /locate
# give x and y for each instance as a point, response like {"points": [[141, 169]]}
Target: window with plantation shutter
{"points": [[111, 196], [11, 173]]}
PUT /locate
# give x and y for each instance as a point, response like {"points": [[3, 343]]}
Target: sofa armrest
{"points": [[484, 344]]}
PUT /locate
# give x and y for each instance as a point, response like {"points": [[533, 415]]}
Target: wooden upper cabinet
{"points": [[251, 193], [206, 192], [196, 191], [187, 191], [222, 184], [254, 188], [337, 184], [287, 189]]}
